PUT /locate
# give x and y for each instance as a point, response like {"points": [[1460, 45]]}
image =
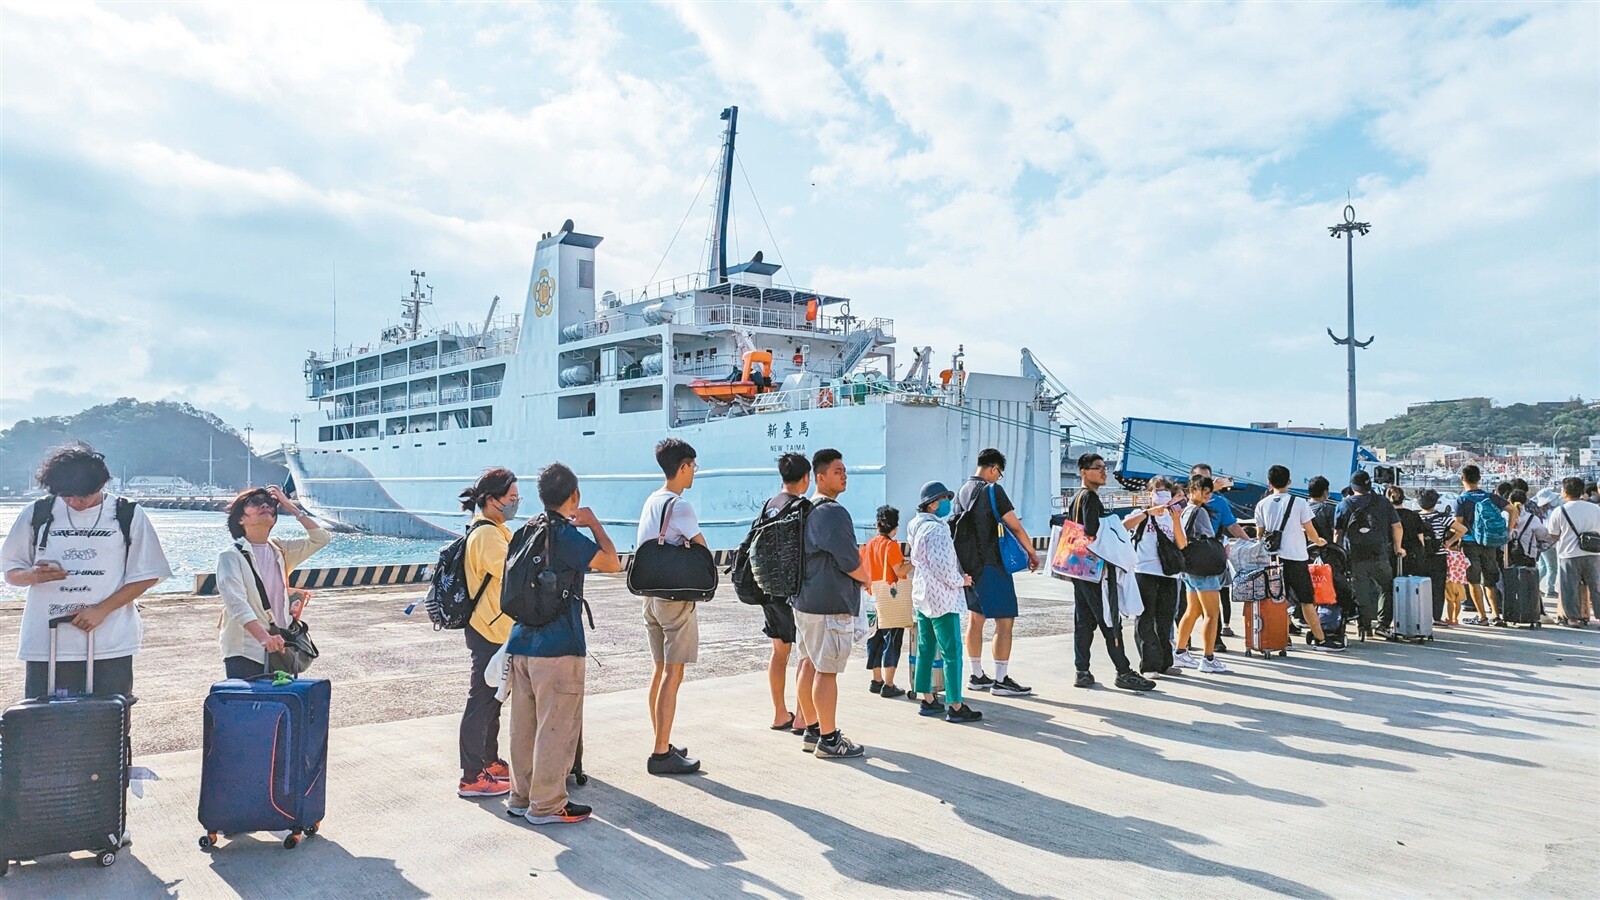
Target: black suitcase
{"points": [[64, 771], [1521, 601]]}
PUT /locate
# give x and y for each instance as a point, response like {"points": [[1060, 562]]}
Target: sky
{"points": [[194, 196]]}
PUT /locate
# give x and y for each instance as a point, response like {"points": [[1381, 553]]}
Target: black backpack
{"points": [[969, 544], [450, 601], [44, 513], [1362, 536], [777, 550], [533, 592]]}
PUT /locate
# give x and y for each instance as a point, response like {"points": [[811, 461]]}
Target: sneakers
{"points": [[668, 763], [839, 747], [1501, 623], [483, 786], [1219, 647], [1326, 646], [931, 708], [1133, 681], [963, 715], [1183, 659], [1213, 667], [1227, 632], [1083, 680], [515, 811], [1172, 670], [1009, 688], [572, 812], [499, 770], [811, 736], [876, 687], [891, 691], [979, 682]]}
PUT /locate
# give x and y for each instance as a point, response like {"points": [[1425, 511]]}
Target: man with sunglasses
{"points": [[981, 507], [1089, 603]]}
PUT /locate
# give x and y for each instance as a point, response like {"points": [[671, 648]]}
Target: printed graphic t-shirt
{"points": [[89, 546]]}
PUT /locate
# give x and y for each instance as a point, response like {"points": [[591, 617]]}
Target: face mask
{"points": [[1162, 498], [943, 509], [509, 509]]}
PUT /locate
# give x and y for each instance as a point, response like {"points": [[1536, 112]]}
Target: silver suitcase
{"points": [[1413, 609]]}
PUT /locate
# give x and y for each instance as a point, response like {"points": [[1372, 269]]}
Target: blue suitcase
{"points": [[264, 764]]}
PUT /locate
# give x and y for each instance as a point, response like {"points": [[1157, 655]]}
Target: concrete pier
{"points": [[1464, 768]]}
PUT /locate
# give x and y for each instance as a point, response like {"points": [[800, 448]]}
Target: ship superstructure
{"points": [[731, 359]]}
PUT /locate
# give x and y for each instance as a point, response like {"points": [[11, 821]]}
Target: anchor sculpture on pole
{"points": [[1348, 229]]}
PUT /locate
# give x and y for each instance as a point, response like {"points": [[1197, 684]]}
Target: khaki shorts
{"points": [[825, 640], [674, 628]]}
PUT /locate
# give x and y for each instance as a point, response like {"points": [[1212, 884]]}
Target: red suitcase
{"points": [[1266, 627]]}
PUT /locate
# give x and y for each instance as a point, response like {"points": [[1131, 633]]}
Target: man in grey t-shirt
{"points": [[826, 607]]}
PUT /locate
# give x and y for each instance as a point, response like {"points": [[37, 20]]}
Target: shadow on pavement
{"points": [[1054, 826], [80, 875], [256, 865]]}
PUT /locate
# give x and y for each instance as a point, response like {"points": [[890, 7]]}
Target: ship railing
{"points": [[658, 291], [426, 364], [395, 371], [394, 404], [486, 391], [423, 401], [454, 395], [713, 368], [344, 381]]}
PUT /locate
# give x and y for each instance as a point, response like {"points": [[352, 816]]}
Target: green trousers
{"points": [[946, 630]]}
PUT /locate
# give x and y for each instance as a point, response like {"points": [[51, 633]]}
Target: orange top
{"points": [[881, 556]]}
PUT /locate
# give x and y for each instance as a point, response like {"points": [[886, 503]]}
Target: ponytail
{"points": [[492, 483]]}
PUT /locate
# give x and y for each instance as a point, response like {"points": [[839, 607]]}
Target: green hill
{"points": [[1476, 421], [137, 439]]}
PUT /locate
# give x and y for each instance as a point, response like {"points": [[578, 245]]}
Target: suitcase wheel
{"points": [[582, 778], [1283, 653], [108, 858], [207, 841], [292, 841], [314, 829]]}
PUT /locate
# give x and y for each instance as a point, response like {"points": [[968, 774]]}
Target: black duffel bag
{"points": [[1203, 556], [672, 571]]}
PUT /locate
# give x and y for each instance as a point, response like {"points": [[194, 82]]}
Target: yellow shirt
{"points": [[486, 555]]}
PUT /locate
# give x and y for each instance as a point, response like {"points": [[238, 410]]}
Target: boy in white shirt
{"points": [[93, 557], [673, 625]]}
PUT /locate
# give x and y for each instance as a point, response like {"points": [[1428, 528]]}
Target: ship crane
{"points": [[483, 335], [921, 371]]}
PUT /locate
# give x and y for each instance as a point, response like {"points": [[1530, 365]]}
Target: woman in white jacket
{"points": [[938, 593], [244, 628]]}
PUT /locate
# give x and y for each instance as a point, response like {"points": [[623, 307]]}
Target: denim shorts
{"points": [[1203, 582]]}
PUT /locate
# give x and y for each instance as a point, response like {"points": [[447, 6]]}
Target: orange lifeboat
{"points": [[756, 378]]}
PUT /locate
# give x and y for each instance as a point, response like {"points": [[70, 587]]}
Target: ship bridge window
{"points": [[575, 406], [586, 273]]}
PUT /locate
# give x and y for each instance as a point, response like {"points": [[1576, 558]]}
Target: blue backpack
{"points": [[1489, 528]]}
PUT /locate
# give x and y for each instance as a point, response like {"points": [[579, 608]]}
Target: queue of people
{"points": [[525, 639]]}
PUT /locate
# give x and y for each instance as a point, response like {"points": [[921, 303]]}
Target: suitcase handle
{"points": [[88, 664]]}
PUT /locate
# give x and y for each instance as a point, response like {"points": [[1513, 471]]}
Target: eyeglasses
{"points": [[1098, 468]]}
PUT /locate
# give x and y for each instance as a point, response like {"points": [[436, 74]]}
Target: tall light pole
{"points": [[249, 481], [295, 421], [1348, 229], [1555, 449]]}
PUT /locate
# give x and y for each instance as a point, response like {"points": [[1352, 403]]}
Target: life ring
{"points": [[825, 398]]}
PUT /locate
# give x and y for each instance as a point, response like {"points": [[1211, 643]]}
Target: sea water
{"points": [[192, 541]]}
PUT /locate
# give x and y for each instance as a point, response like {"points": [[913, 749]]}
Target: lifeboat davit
{"points": [[755, 378]]}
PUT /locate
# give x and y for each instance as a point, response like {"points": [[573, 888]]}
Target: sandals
{"points": [[787, 726]]}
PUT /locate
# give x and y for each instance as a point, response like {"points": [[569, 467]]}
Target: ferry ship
{"points": [[741, 366]]}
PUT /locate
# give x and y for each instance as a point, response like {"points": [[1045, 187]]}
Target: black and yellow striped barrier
{"points": [[205, 583]]}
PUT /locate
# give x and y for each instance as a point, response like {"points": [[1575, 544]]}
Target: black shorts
{"points": [[1483, 564], [1297, 581], [780, 622], [111, 676]]}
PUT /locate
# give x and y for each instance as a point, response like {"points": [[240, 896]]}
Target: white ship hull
{"points": [[407, 485]]}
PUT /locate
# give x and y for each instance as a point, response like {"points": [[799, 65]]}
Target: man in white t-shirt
{"points": [[673, 625], [1576, 567], [91, 560], [1289, 519]]}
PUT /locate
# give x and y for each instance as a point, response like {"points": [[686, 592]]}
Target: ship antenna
{"points": [[416, 301], [718, 266]]}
